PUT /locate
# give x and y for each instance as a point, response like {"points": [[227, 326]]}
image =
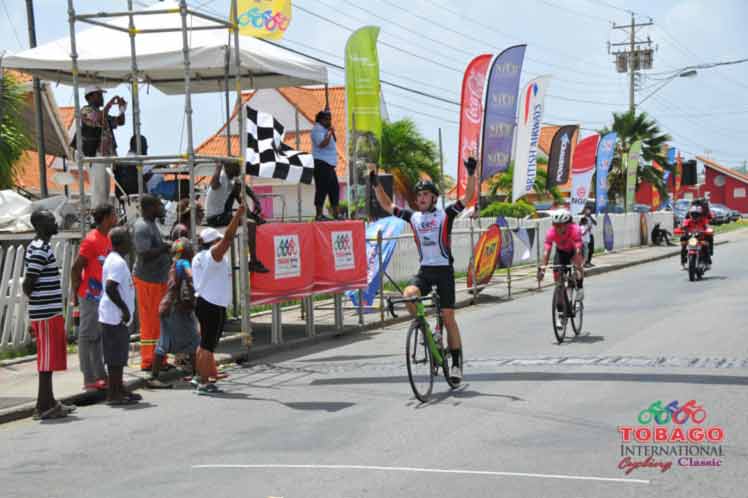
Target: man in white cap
{"points": [[97, 130]]}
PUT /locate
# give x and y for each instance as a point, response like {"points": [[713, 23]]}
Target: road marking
{"points": [[422, 470]]}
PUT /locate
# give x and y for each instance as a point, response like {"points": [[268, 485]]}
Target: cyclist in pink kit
{"points": [[568, 239]]}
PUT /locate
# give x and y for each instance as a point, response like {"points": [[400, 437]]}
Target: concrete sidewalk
{"points": [[18, 380]]}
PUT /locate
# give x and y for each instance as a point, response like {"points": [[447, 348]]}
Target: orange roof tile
{"points": [[19, 76], [723, 169], [67, 116], [28, 174]]}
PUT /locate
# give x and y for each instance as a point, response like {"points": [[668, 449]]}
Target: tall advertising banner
{"points": [[390, 227], [632, 166], [528, 134], [486, 256], [267, 19], [363, 90], [583, 167], [471, 115], [559, 158], [678, 174], [499, 111], [605, 150]]}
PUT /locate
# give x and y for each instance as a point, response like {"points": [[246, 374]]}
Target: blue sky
{"points": [[566, 38]]}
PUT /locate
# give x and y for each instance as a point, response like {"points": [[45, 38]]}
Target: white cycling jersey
{"points": [[432, 231]]}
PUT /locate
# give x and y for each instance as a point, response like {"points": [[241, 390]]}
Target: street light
{"points": [[689, 73]]}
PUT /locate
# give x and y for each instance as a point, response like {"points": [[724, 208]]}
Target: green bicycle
{"points": [[425, 353]]}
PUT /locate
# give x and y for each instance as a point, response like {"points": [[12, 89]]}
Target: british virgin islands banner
{"points": [[500, 110], [528, 134]]}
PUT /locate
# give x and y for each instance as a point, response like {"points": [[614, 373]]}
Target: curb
{"points": [[88, 398]]}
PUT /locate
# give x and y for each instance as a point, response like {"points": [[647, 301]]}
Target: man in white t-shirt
{"points": [[224, 190], [116, 310]]}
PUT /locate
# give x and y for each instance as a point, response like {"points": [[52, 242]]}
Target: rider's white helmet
{"points": [[560, 217]]}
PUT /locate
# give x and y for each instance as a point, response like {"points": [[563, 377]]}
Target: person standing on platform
{"points": [[41, 283], [325, 153], [97, 130], [151, 273], [224, 190], [86, 288]]}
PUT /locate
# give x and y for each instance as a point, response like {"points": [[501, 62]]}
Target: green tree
{"points": [[502, 184], [408, 156], [631, 127], [13, 136]]}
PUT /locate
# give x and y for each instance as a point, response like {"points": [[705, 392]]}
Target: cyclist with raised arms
{"points": [[568, 239], [432, 229]]}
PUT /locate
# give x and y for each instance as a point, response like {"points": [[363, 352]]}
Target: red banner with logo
{"points": [[583, 167], [340, 256], [486, 255], [471, 114], [287, 250]]}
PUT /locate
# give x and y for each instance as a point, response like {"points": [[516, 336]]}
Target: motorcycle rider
{"points": [[694, 222]]}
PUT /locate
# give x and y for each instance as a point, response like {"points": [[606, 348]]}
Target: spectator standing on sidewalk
{"points": [[152, 264], [179, 333], [325, 153], [211, 271], [87, 288], [590, 244], [116, 310], [41, 283]]}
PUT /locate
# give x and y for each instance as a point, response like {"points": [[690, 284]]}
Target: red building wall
{"points": [[722, 189]]}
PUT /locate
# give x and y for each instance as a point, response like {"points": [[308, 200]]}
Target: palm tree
{"points": [[502, 183], [631, 127], [13, 136], [408, 156]]}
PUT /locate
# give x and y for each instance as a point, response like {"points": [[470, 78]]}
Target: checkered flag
{"points": [[268, 157]]}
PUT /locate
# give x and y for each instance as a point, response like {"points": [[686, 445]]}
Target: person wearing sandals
{"points": [[211, 272], [116, 310], [42, 285], [177, 310]]}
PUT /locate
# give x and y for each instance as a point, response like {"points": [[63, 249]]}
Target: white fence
{"points": [[626, 230], [13, 316]]}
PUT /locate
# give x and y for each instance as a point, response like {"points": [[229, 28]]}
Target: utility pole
{"points": [[637, 55], [39, 115]]}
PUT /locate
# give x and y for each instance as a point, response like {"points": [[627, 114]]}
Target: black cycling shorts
{"points": [[443, 277], [563, 258]]}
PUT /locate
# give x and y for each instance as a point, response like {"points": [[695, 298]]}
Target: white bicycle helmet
{"points": [[560, 217]]}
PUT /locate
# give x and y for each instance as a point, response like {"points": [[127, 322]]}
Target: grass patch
{"points": [[25, 350], [731, 227]]}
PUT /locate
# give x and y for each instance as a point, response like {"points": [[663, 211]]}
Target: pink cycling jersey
{"points": [[568, 242]]}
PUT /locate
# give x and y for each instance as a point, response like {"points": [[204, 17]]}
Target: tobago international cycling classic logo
{"points": [[342, 249], [670, 434], [287, 256]]}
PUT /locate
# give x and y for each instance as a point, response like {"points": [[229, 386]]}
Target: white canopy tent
{"points": [[104, 56]]}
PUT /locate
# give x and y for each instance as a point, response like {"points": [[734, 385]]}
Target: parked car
{"points": [[731, 214], [720, 214]]}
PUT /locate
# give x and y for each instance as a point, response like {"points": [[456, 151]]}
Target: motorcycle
{"points": [[697, 250], [660, 236]]}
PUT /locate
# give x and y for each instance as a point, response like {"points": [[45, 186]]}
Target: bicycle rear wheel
{"points": [[577, 317], [419, 361], [560, 314]]}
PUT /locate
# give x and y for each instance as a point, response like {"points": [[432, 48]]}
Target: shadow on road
{"points": [[326, 406], [556, 376], [348, 358], [585, 339], [461, 393]]}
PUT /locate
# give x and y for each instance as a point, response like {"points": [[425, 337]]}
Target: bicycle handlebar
{"points": [[392, 301]]}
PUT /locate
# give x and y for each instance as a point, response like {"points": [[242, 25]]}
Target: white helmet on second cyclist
{"points": [[561, 217]]}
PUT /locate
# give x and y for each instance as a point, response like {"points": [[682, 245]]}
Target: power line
{"points": [[476, 40], [573, 12], [13, 26], [438, 118]]}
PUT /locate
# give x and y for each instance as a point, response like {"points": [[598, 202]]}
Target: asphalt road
{"points": [[533, 419]]}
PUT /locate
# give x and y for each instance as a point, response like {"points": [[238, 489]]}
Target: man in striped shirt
{"points": [[41, 284]]}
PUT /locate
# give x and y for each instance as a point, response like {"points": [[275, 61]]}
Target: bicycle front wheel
{"points": [[419, 362], [577, 317], [560, 315]]}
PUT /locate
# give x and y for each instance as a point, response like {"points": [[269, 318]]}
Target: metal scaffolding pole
{"points": [[135, 103], [244, 273], [188, 118], [78, 135]]}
